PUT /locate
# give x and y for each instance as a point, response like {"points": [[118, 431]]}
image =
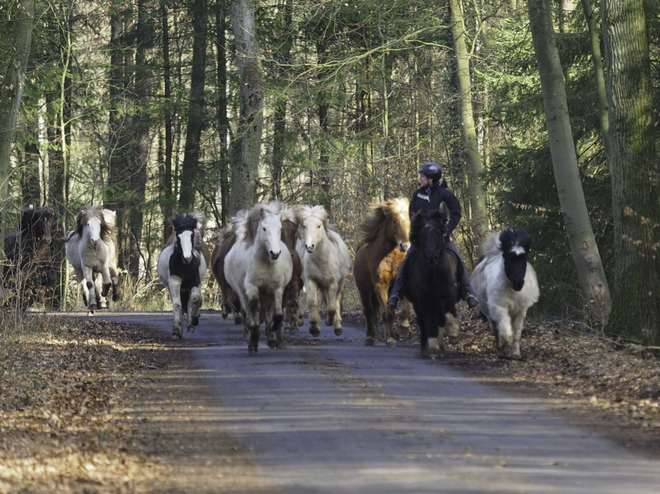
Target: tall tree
{"points": [[196, 118], [245, 166], [634, 170], [468, 128], [11, 92], [586, 257], [223, 120]]}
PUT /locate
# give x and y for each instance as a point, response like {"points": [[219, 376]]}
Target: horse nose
{"points": [[187, 259], [275, 255], [310, 248], [403, 246], [94, 242], [518, 285]]}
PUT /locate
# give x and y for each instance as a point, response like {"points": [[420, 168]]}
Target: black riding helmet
{"points": [[432, 171]]}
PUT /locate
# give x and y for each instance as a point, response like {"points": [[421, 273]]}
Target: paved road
{"points": [[328, 415]]}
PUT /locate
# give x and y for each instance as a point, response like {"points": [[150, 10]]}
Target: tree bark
{"points": [[634, 169], [245, 169], [599, 73], [223, 120], [479, 223], [11, 92], [581, 238], [196, 119], [167, 199]]}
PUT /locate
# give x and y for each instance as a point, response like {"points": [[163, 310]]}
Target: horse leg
{"points": [[517, 324], [434, 343], [335, 295], [98, 287], [194, 304], [453, 326], [313, 307], [388, 313], [88, 288], [252, 318], [406, 315], [114, 277], [177, 308], [275, 334], [107, 280], [504, 333], [368, 303]]}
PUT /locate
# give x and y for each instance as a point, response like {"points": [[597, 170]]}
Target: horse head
{"points": [[312, 224], [36, 226], [264, 226], [515, 244], [428, 232], [184, 230]]}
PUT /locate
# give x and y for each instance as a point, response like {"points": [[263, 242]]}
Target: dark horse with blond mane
{"points": [[380, 253], [29, 255]]}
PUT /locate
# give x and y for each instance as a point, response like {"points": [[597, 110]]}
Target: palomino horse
{"points": [[431, 280], [506, 285], [91, 250], [258, 267], [326, 262], [377, 260], [182, 267], [29, 255]]}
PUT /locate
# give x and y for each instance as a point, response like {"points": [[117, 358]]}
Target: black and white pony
{"points": [[29, 255], [182, 267], [92, 251], [506, 286], [431, 283]]}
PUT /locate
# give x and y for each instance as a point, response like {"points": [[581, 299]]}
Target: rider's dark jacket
{"points": [[426, 198]]}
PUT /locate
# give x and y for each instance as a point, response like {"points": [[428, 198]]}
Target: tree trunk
{"points": [[196, 120], [140, 124], [30, 182], [635, 191], [11, 92], [599, 73], [245, 169], [167, 199], [564, 159], [223, 120], [475, 169]]}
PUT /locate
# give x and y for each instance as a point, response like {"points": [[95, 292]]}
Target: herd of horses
{"points": [[266, 255]]}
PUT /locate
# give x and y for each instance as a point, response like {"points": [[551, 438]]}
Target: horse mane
{"points": [[438, 218], [304, 212], [497, 243], [378, 213], [254, 216], [107, 217]]}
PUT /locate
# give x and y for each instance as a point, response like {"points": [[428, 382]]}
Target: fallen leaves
{"points": [[62, 425]]}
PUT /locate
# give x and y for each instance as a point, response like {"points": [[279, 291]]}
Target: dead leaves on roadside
{"points": [[62, 426]]}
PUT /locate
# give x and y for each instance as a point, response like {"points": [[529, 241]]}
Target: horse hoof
{"points": [[369, 342], [453, 340], [177, 336], [337, 331], [238, 320], [115, 297], [272, 344], [314, 331], [224, 315], [191, 329], [252, 350], [281, 345], [194, 321], [92, 308], [391, 343]]}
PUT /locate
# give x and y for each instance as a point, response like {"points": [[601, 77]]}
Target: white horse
{"points": [[182, 267], [506, 285], [326, 262], [258, 267], [91, 249]]}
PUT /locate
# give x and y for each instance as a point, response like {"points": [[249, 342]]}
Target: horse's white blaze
{"points": [[186, 242], [313, 233], [518, 250], [93, 230], [270, 235]]}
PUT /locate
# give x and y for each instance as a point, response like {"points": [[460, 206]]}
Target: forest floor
{"points": [[69, 388]]}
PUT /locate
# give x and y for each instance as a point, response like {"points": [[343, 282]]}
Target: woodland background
{"points": [[156, 107]]}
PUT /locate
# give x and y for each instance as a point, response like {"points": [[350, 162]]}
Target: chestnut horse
{"points": [[377, 259]]}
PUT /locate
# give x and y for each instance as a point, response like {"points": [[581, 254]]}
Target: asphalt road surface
{"points": [[329, 415]]}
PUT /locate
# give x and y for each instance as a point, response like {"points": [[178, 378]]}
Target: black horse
{"points": [[29, 256], [432, 278]]}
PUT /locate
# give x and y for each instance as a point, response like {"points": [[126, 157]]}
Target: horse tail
{"points": [[69, 236]]}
